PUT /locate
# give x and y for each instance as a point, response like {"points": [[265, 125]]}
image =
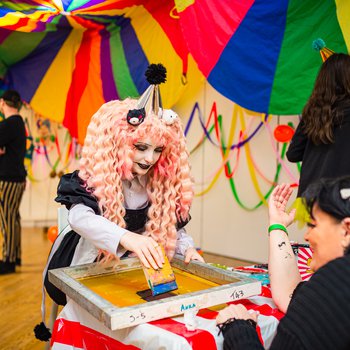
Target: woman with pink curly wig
{"points": [[144, 168], [133, 189], [131, 194]]}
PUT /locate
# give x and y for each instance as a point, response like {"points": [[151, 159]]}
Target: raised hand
{"points": [[278, 203], [146, 249]]}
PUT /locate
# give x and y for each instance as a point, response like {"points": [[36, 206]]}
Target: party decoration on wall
{"points": [[283, 164], [283, 133], [259, 54], [44, 131], [68, 57], [228, 148], [47, 143], [52, 233]]}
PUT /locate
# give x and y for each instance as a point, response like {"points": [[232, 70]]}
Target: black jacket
{"points": [[317, 317], [13, 138], [324, 160]]}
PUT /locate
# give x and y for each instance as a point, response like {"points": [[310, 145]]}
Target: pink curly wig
{"points": [[107, 159]]}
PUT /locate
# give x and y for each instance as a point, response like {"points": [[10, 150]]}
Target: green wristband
{"points": [[278, 227]]}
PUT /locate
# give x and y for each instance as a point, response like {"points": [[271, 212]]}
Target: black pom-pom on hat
{"points": [[42, 332], [156, 74]]}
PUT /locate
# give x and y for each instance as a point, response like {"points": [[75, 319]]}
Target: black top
{"points": [[324, 160], [318, 316], [72, 190], [13, 138]]}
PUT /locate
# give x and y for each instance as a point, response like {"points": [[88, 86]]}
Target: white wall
{"points": [[219, 225]]}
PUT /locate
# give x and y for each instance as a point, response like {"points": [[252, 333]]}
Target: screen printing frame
{"points": [[114, 317]]}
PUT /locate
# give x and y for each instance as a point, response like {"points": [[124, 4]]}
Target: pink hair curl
{"points": [[107, 159]]}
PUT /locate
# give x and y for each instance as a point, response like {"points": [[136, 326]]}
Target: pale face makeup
{"points": [[146, 154], [325, 236]]}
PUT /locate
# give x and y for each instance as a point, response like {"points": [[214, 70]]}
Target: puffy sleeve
{"points": [[71, 191]]}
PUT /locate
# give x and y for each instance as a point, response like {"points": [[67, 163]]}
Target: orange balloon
{"points": [[52, 233], [283, 133]]}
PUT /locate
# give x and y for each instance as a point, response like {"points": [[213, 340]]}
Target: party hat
{"points": [[320, 45], [150, 100]]}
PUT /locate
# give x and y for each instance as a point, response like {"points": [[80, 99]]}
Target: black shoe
{"points": [[18, 262], [7, 267]]}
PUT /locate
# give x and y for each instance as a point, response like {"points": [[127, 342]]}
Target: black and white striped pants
{"points": [[10, 221]]}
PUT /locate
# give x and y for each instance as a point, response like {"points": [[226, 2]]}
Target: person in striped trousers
{"points": [[12, 180]]}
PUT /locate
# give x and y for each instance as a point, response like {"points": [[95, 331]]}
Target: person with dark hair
{"points": [[317, 311], [12, 179], [322, 138]]}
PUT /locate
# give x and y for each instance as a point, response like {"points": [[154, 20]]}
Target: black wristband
{"points": [[222, 327]]}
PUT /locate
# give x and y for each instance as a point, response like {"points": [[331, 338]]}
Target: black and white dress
{"points": [[96, 232]]}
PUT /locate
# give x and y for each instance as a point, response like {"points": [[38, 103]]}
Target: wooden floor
{"points": [[20, 293]]}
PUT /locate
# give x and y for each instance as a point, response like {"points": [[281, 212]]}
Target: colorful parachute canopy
{"points": [[67, 57], [258, 53]]}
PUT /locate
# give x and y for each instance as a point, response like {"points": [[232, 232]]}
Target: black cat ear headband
{"points": [[150, 100]]}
